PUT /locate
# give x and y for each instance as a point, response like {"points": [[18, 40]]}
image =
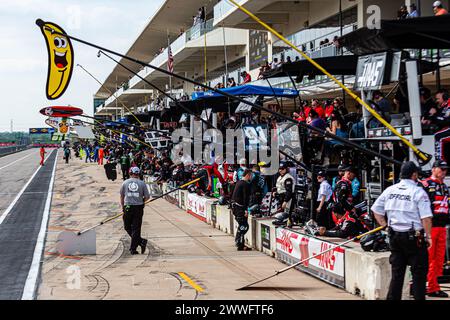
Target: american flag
{"points": [[170, 60]]}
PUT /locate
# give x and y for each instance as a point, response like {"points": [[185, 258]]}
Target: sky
{"points": [[114, 24]]}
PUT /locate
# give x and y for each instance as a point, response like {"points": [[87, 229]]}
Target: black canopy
{"points": [[337, 65], [415, 33]]}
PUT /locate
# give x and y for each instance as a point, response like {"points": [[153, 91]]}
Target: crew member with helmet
{"points": [[284, 190], [133, 195], [439, 194], [405, 207]]}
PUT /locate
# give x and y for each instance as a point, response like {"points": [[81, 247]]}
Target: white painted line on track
{"points": [[30, 283], [8, 210], [4, 167]]}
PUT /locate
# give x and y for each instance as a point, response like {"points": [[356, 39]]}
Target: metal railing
{"points": [[223, 8], [199, 30]]}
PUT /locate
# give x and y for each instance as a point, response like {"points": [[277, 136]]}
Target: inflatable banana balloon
{"points": [[60, 59]]}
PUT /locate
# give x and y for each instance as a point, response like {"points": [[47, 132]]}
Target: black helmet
{"points": [[375, 241], [222, 201]]}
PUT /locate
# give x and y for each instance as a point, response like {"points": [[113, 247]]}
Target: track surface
{"points": [[20, 229]]}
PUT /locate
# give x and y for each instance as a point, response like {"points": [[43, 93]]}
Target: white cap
{"points": [[242, 161], [437, 4]]}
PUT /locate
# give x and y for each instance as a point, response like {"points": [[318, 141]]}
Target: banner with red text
{"points": [[293, 247], [196, 206]]}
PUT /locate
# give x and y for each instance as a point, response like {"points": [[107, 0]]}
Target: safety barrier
{"points": [[4, 151], [366, 274]]}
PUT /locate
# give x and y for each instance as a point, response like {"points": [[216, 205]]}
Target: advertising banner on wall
{"points": [[293, 247], [196, 206]]}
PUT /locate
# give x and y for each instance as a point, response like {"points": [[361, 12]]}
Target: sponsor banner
{"points": [[172, 197], [41, 130], [265, 236], [196, 206], [293, 247], [214, 215]]}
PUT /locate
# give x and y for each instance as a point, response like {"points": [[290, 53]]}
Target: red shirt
{"points": [[441, 12], [320, 111], [329, 110], [248, 78]]}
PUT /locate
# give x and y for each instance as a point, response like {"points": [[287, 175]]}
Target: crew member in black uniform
{"points": [[240, 202], [342, 195]]}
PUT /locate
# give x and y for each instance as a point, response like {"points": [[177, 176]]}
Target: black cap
{"points": [[283, 165], [342, 167], [407, 170], [440, 164], [322, 173], [351, 169]]}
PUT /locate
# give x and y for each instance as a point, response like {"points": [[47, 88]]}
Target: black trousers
{"points": [[323, 218], [242, 220], [406, 252], [132, 220], [125, 172]]}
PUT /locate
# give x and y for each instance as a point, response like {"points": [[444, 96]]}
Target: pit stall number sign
{"points": [[371, 72], [293, 247]]}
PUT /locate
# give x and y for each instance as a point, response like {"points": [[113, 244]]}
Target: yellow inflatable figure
{"points": [[60, 59]]}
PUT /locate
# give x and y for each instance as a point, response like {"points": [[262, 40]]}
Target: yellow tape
{"points": [[191, 282], [329, 75]]}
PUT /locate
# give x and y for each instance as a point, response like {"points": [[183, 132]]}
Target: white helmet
{"points": [[437, 4]]}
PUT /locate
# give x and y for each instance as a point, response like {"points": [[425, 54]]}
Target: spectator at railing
{"points": [[275, 63], [402, 13], [439, 9], [413, 13], [246, 76], [231, 82], [315, 105]]}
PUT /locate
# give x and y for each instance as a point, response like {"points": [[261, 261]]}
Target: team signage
{"points": [[265, 236], [293, 247], [373, 71], [196, 206], [42, 130]]}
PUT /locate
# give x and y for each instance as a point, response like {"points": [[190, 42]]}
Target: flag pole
{"points": [[168, 58]]}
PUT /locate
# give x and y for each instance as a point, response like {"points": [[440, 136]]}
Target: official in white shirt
{"points": [[407, 208], [322, 215]]}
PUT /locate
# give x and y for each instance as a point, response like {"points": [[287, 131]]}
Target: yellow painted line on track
{"points": [[191, 282]]}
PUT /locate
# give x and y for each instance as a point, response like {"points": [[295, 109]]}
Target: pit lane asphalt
{"points": [[20, 229]]}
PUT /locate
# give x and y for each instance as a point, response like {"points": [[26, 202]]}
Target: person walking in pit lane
{"points": [[133, 195], [407, 209], [240, 202]]}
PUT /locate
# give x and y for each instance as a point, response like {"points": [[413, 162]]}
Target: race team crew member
{"points": [[342, 195], [438, 193], [346, 227], [42, 153], [408, 210], [284, 190], [239, 203], [133, 195]]}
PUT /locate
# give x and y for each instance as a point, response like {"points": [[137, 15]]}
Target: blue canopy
{"points": [[248, 90]]}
